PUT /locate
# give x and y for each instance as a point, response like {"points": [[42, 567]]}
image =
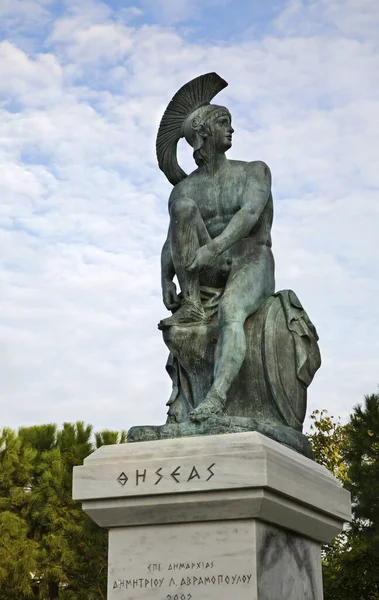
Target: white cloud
{"points": [[84, 204], [351, 18], [19, 14], [94, 42], [31, 81]]}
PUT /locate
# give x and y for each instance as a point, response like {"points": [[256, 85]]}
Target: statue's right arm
{"points": [[170, 297], [167, 265]]}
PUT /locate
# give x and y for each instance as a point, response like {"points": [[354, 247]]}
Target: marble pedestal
{"points": [[234, 515]]}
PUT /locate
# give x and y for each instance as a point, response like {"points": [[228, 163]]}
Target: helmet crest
{"points": [[174, 124]]}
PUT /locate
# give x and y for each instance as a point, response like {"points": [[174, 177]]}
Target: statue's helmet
{"points": [[184, 116], [200, 119]]}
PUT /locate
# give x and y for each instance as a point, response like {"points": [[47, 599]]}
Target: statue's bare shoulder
{"points": [[255, 169]]}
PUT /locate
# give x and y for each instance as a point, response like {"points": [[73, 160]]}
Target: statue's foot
{"points": [[188, 314], [211, 406]]}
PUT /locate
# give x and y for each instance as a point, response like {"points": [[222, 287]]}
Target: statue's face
{"points": [[222, 131]]}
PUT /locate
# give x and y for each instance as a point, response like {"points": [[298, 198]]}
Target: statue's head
{"points": [[206, 127], [208, 130]]}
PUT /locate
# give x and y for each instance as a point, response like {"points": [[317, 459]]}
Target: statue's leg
{"points": [[244, 294], [187, 234]]}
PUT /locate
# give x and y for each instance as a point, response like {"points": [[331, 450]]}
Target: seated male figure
{"points": [[219, 236]]}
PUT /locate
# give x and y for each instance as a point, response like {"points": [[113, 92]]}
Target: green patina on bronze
{"points": [[241, 355]]}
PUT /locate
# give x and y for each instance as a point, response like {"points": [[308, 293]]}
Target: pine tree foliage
{"points": [[106, 437], [18, 552], [49, 548], [362, 455], [351, 452]]}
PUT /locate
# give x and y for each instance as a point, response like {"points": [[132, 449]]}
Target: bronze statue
{"points": [[219, 234], [241, 356]]}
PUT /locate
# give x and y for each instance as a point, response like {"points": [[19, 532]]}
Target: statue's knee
{"points": [[183, 208]]}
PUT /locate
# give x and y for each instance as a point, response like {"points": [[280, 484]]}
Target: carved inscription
{"points": [[122, 479], [207, 575], [140, 476], [159, 474], [194, 566], [142, 583]]}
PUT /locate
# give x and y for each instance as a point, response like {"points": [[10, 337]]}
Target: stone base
{"points": [[235, 515], [224, 424], [219, 559]]}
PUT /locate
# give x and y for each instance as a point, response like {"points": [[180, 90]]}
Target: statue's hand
{"points": [[170, 297], [204, 258]]}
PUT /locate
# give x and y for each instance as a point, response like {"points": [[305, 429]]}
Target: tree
{"points": [[107, 437], [351, 452], [18, 553], [328, 439], [362, 456], [49, 548]]}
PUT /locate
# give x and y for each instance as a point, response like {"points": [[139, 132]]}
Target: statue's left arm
{"points": [[255, 196]]}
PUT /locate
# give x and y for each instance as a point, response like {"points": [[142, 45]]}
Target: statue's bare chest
{"points": [[218, 198]]}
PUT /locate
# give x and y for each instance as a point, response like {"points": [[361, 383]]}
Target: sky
{"points": [[83, 85]]}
